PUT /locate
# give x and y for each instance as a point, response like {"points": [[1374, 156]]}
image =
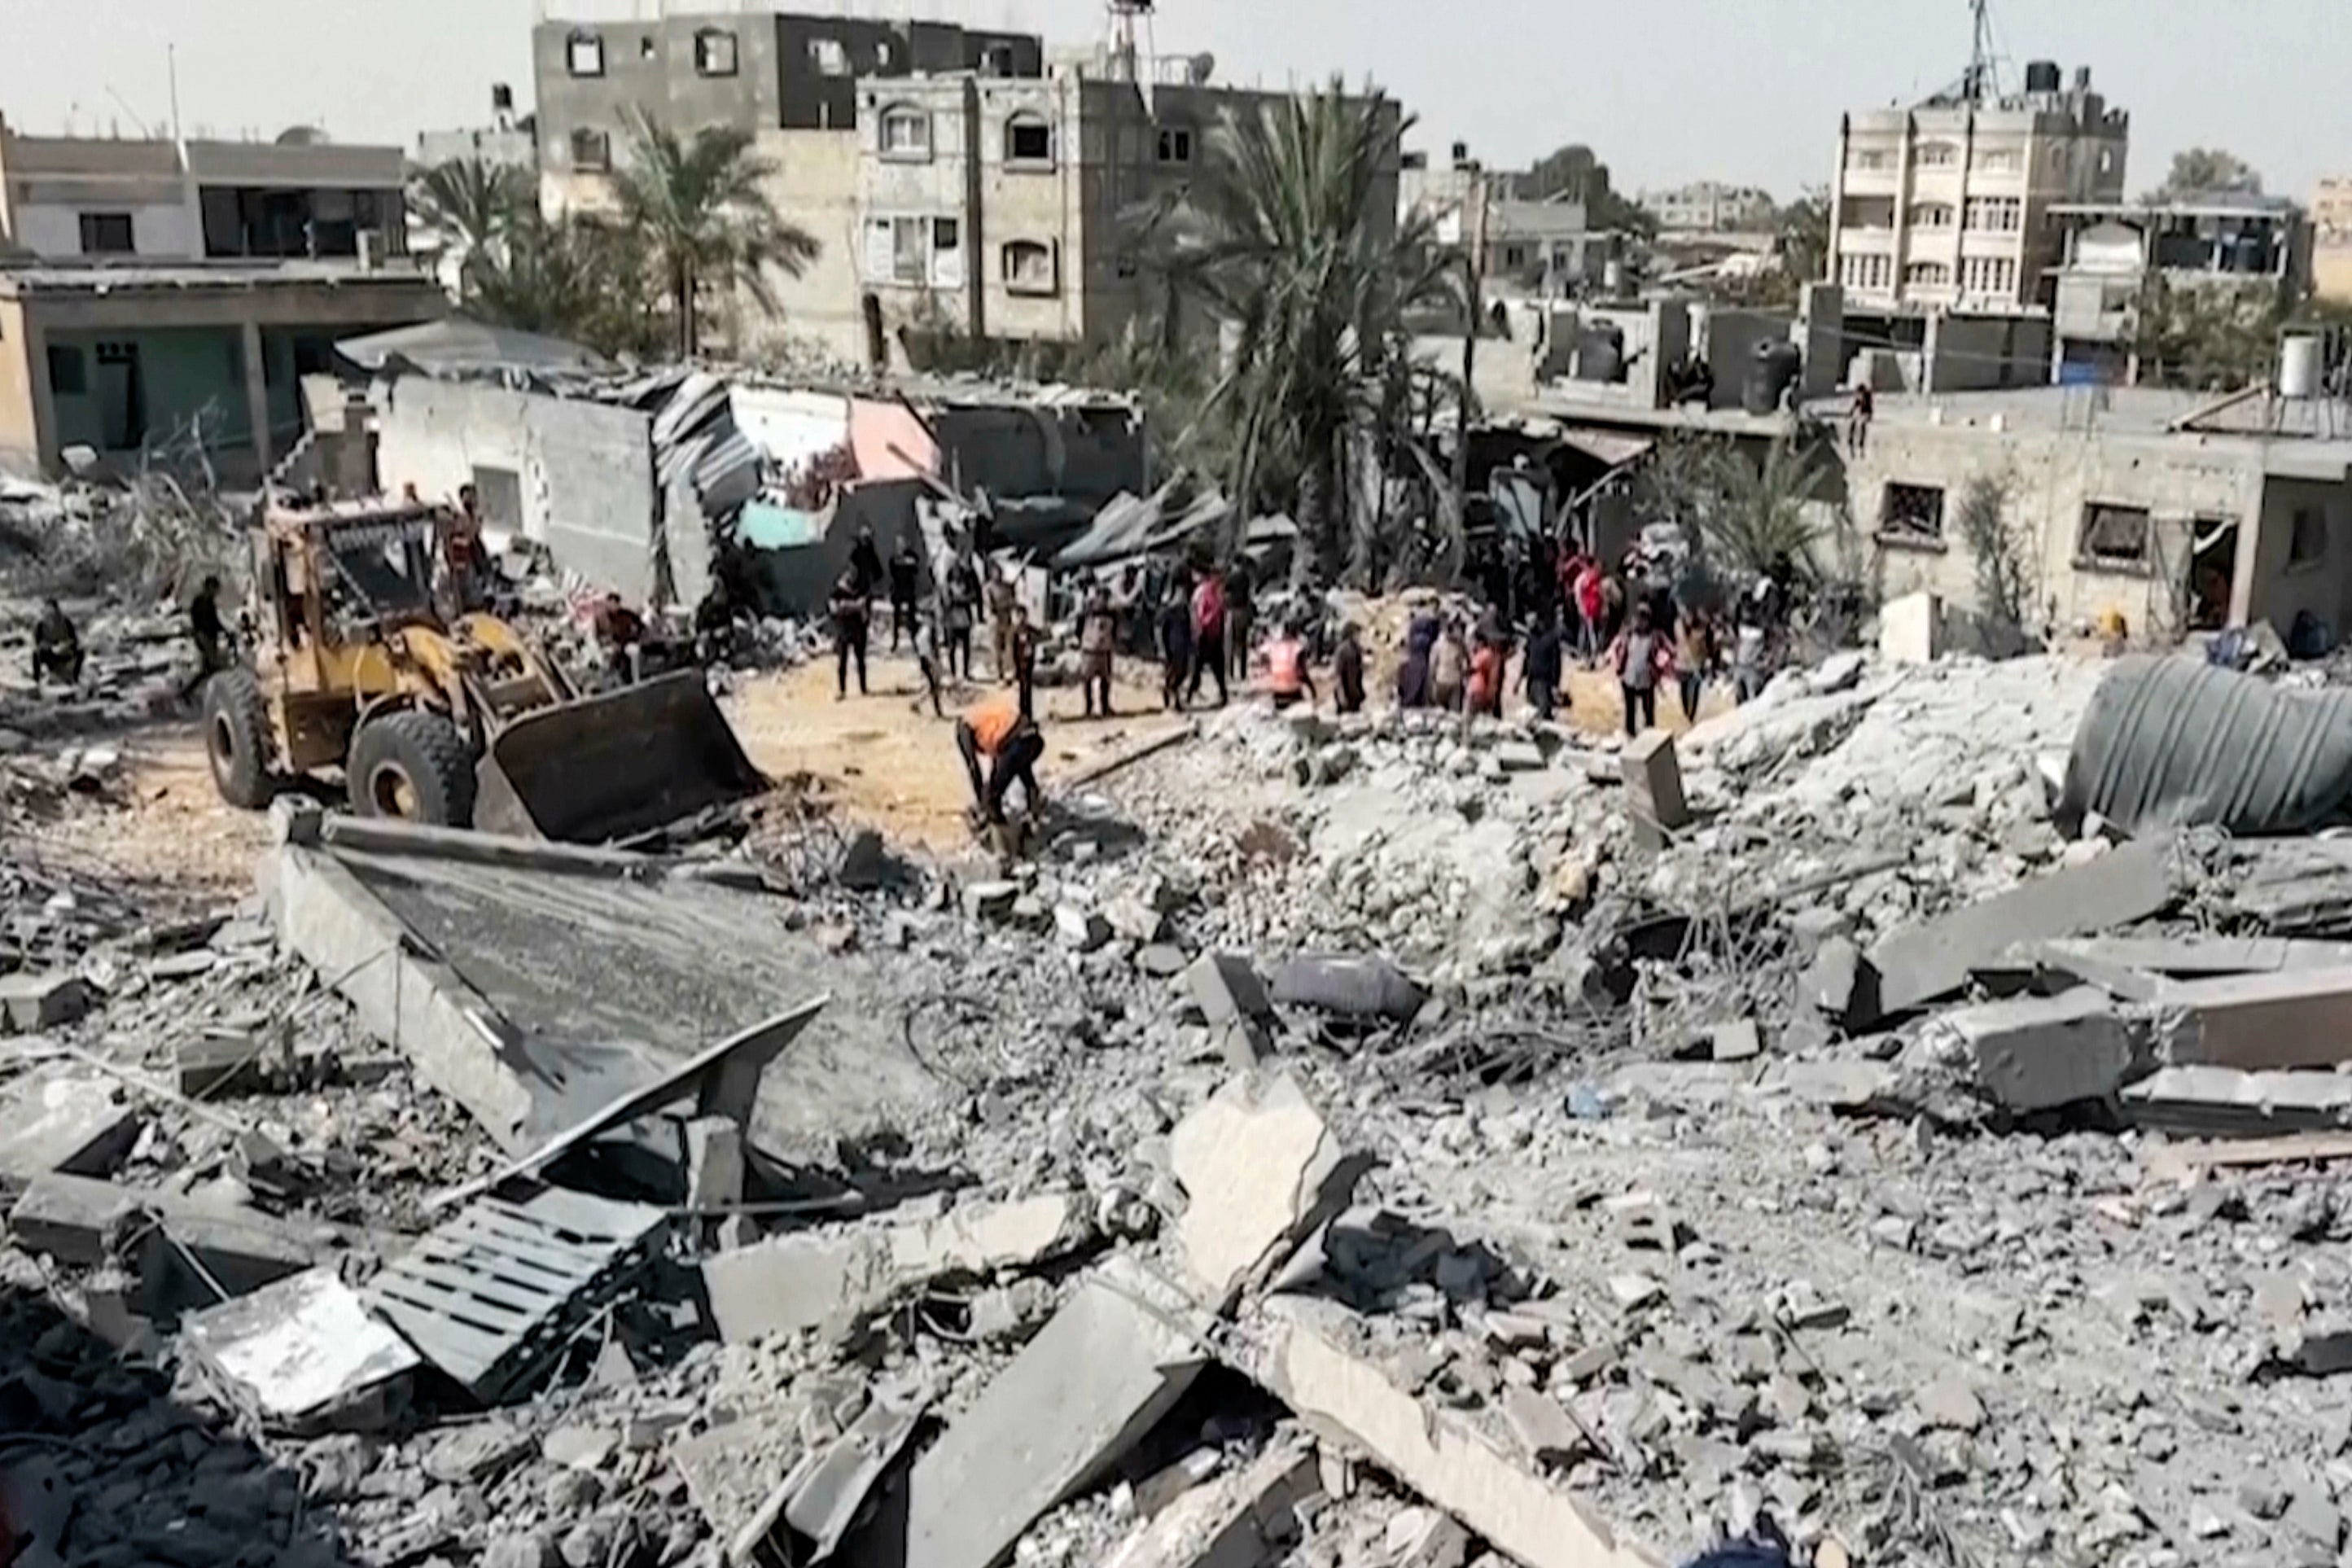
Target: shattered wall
{"points": [[586, 468]]}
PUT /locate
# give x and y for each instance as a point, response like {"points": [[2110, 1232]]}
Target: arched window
{"points": [[1029, 140], [906, 132]]}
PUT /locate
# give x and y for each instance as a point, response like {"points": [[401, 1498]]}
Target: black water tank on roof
{"points": [[1775, 366], [2041, 76]]}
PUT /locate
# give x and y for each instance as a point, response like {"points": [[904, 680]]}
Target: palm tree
{"points": [[571, 276], [701, 207], [1288, 236], [474, 205]]}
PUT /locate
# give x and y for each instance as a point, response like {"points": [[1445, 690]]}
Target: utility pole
{"points": [[1474, 275]]}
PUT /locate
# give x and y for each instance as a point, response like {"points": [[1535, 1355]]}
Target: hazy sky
{"points": [[1666, 90]]}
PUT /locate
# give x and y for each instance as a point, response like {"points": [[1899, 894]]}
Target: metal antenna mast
{"points": [[1978, 85]]}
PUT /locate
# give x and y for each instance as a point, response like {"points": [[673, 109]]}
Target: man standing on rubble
{"points": [[1449, 667], [1001, 605], [1097, 636], [1347, 669], [1641, 658], [1024, 640], [998, 730], [1176, 642], [959, 590], [849, 609], [56, 646], [1209, 633], [1241, 613], [211, 637], [865, 560], [906, 579], [1541, 669]]}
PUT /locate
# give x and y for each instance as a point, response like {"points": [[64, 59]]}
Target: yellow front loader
{"points": [[454, 719]]}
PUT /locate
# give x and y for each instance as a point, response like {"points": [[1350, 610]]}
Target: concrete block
{"points": [[1835, 1085], [1080, 929], [714, 1163], [865, 864], [1544, 1429], [78, 1124], [1911, 629], [1260, 1170], [2295, 1018], [1241, 1521], [1227, 988], [791, 1284], [78, 1220], [1921, 963], [2034, 1053], [213, 1065], [1437, 1453], [1519, 757], [303, 1355], [991, 901], [1079, 1395], [40, 1001], [1653, 785], [2230, 1102], [1135, 918], [1736, 1041]]}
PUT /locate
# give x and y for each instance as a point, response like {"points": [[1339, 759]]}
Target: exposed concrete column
{"points": [[47, 447], [256, 393]]}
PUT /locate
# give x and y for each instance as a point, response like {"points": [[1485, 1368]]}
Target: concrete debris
{"points": [[1654, 788], [2227, 1102], [305, 1355], [1242, 1519], [78, 1124], [30, 1002], [2293, 1019], [1260, 1170], [793, 1284], [1367, 989], [81, 1221], [1227, 988], [824, 1500], [1072, 1403], [2036, 1053], [1911, 629], [1925, 963]]}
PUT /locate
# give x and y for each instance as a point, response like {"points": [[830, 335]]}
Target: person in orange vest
{"points": [[996, 729], [1288, 678]]}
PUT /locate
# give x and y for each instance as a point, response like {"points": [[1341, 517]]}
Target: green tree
{"points": [[571, 276], [2209, 335], [474, 205], [2003, 553], [1743, 514], [1576, 174], [701, 207], [1802, 231], [1289, 238], [2207, 171]]}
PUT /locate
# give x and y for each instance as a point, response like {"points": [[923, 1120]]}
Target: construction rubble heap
{"points": [[1378, 1141]]}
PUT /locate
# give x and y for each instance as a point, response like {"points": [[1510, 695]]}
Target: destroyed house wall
{"points": [[2050, 478], [585, 469], [2300, 555]]}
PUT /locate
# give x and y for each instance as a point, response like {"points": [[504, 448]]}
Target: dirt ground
{"points": [[170, 827], [883, 760]]}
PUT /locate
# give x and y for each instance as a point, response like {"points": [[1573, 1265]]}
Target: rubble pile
{"points": [[1346, 1140]]}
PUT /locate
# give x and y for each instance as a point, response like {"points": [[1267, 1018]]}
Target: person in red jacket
{"points": [[1643, 660], [1209, 633]]}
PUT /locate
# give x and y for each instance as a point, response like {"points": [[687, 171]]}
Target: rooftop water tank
{"points": [[2298, 372], [2041, 76]]}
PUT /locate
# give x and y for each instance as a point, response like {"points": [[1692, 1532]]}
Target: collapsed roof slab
{"points": [[536, 991]]}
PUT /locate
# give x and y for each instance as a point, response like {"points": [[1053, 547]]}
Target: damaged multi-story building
{"points": [[960, 183], [157, 289]]}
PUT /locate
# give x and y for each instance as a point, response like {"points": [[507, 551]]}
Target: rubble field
{"points": [[1378, 1141]]}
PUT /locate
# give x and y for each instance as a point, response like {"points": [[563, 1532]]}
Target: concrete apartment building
{"points": [[2113, 250], [1710, 206], [2331, 238], [955, 184], [1946, 205], [149, 286], [1529, 249]]}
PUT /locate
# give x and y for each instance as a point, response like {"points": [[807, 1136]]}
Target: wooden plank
{"points": [[497, 1293], [459, 1348], [477, 1252]]}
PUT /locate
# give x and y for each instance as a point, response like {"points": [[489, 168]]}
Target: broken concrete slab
{"points": [[2226, 1101], [735, 1471], [2295, 1018], [1736, 1041], [1227, 988], [2035, 1053], [1654, 788], [1080, 929], [991, 902], [714, 1163], [1437, 1453], [218, 1063], [791, 1284], [1542, 1426], [1111, 1362], [80, 1125], [826, 1498], [2202, 957], [78, 1220], [303, 1355], [1242, 1519], [1261, 1170], [1921, 963], [1837, 1085], [1366, 988], [1911, 629], [31, 1001]]}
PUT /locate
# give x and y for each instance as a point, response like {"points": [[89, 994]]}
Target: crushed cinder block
{"points": [[1242, 1519], [1076, 1399], [1654, 788], [791, 1284], [32, 1000], [2295, 1018], [1921, 963], [2034, 1053], [1225, 987], [78, 1124], [1839, 982], [78, 1220], [303, 1355], [1437, 1453], [1261, 1170]]}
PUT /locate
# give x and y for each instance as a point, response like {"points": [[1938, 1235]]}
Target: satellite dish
{"points": [[1201, 68]]}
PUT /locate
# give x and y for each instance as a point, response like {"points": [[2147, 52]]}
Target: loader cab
{"points": [[332, 584]]}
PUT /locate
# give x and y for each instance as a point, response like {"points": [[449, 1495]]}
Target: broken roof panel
{"points": [[455, 346]]}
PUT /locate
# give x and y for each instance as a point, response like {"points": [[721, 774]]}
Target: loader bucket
{"points": [[611, 765]]}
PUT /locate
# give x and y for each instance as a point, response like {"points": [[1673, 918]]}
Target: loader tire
{"points": [[416, 766], [238, 738]]}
